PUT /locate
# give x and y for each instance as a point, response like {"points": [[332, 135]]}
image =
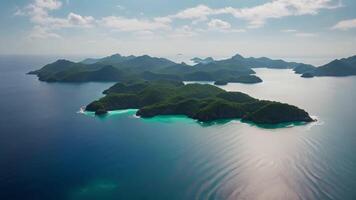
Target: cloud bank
{"points": [[45, 24], [345, 25]]}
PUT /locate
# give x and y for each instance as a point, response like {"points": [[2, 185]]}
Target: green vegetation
{"points": [[342, 67], [202, 102], [275, 112], [122, 68], [220, 82], [248, 79], [202, 61], [303, 68], [236, 69]]}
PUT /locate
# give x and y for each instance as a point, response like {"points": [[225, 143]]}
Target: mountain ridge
{"points": [[146, 67], [338, 67]]}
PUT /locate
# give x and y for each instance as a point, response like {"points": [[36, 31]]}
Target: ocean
{"points": [[50, 150]]}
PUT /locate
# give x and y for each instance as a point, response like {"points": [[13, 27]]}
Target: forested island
{"points": [[338, 67], [237, 69], [248, 79], [202, 102]]}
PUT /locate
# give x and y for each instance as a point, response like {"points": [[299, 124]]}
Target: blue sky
{"points": [[304, 30]]}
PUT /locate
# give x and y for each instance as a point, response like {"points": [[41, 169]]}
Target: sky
{"points": [[312, 31]]}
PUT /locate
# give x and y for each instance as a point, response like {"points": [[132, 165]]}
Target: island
{"points": [[220, 82], [308, 75], [338, 67], [202, 102], [207, 60], [237, 69], [119, 68], [303, 68], [247, 79]]}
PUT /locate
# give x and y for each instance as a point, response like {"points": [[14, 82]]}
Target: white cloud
{"points": [[39, 15], [299, 34], [38, 11], [78, 20], [219, 24], [182, 32], [19, 12], [48, 4], [289, 31], [302, 34], [133, 24], [345, 25], [45, 24], [233, 30], [258, 15], [165, 20], [144, 35], [39, 32], [198, 12]]}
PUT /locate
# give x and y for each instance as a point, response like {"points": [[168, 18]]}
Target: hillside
{"points": [[338, 67]]}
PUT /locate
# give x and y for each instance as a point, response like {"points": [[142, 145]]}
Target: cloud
{"points": [[184, 31], [133, 24], [233, 30], [219, 24], [39, 32], [39, 15], [144, 35], [165, 20], [78, 20], [48, 4], [345, 25], [258, 15], [289, 31], [222, 26], [299, 34], [302, 34], [19, 12], [198, 12], [45, 24]]}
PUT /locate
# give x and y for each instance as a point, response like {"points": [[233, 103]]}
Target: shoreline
{"points": [[316, 121]]}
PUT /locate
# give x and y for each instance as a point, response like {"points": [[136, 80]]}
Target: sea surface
{"points": [[50, 151]]}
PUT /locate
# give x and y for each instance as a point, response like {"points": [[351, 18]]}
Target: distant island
{"points": [[220, 82], [202, 102], [338, 67], [207, 60], [303, 68], [248, 79], [237, 69]]}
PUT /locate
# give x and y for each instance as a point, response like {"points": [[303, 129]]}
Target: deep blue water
{"points": [[49, 151]]}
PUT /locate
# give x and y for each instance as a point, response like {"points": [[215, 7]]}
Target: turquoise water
{"points": [[182, 118], [50, 151]]}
